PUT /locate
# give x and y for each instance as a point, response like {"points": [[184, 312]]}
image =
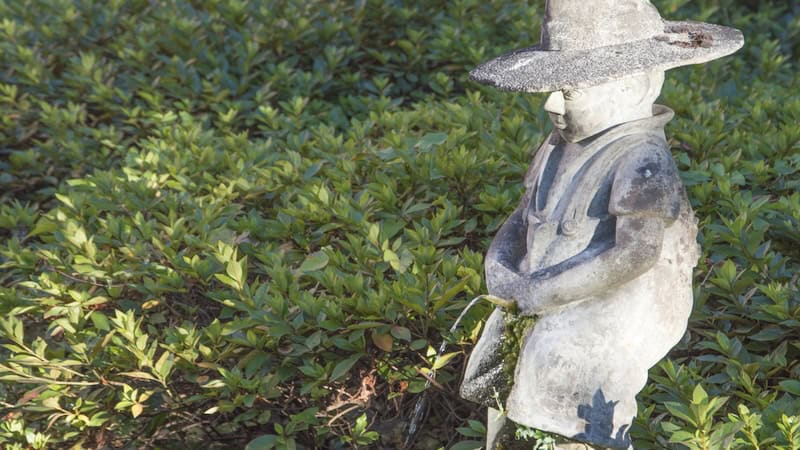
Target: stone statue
{"points": [[601, 249]]}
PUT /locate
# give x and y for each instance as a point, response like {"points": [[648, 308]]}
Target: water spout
{"points": [[419, 407]]}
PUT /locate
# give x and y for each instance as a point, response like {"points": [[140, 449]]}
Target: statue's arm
{"points": [[636, 250], [645, 199], [506, 250]]}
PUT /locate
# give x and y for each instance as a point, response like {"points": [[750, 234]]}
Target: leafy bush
{"points": [[233, 222]]}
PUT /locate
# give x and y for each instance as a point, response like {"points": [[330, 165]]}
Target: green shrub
{"points": [[231, 222]]}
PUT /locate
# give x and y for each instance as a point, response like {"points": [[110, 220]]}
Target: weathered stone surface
{"points": [[588, 43], [602, 246], [612, 294]]}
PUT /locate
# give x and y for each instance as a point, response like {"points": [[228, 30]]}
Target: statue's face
{"points": [[576, 113], [582, 113]]}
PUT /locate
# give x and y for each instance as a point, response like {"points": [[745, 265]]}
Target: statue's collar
{"points": [[655, 123], [661, 115]]}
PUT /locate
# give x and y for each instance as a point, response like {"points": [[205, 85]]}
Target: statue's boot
{"points": [[501, 433]]}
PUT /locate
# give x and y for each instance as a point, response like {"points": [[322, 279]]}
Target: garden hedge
{"points": [[238, 223]]}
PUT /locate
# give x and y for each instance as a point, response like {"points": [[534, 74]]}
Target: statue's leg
{"points": [[495, 422], [579, 446], [574, 447], [501, 433]]}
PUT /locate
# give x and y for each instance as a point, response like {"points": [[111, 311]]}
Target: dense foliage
{"points": [[233, 222]]}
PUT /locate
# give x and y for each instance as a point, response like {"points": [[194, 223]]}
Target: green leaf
{"points": [[139, 374], [365, 325], [431, 139], [227, 280], [264, 442], [699, 395], [137, 409], [313, 262], [164, 364], [343, 367], [361, 424], [442, 361], [418, 344], [468, 445], [236, 270], [723, 435], [43, 226], [790, 386], [769, 334], [383, 341], [213, 384], [314, 340], [99, 419], [402, 333], [469, 432], [450, 293], [681, 437], [100, 321], [52, 403], [680, 411], [391, 257]]}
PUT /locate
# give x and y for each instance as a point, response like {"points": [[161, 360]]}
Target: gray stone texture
{"points": [[585, 43], [602, 246], [587, 356]]}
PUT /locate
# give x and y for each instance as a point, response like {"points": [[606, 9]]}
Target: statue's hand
{"points": [[498, 274], [503, 277], [529, 292], [521, 292], [528, 304], [509, 285]]}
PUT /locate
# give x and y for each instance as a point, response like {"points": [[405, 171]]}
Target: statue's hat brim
{"points": [[535, 69]]}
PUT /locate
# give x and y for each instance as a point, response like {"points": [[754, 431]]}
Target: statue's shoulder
{"points": [[646, 179], [648, 146]]}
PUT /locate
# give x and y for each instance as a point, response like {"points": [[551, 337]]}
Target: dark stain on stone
{"points": [[678, 29], [644, 198], [697, 39], [637, 225], [649, 169]]}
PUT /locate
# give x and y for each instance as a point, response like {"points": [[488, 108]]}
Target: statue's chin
{"points": [[571, 133], [572, 136]]}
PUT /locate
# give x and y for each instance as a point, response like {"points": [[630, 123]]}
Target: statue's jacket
{"points": [[581, 365]]}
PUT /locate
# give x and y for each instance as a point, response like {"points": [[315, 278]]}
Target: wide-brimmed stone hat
{"points": [[588, 42]]}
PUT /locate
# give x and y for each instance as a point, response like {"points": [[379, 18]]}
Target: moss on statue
{"points": [[517, 327]]}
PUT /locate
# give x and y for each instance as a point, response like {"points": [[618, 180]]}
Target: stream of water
{"points": [[419, 407]]}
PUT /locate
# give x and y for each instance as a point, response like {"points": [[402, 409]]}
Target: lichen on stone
{"points": [[517, 327]]}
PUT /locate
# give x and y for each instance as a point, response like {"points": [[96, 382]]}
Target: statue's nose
{"points": [[555, 103]]}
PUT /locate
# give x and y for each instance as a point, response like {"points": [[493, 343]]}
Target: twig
{"points": [[343, 412], [430, 378], [33, 380], [708, 274], [46, 363], [81, 280]]}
